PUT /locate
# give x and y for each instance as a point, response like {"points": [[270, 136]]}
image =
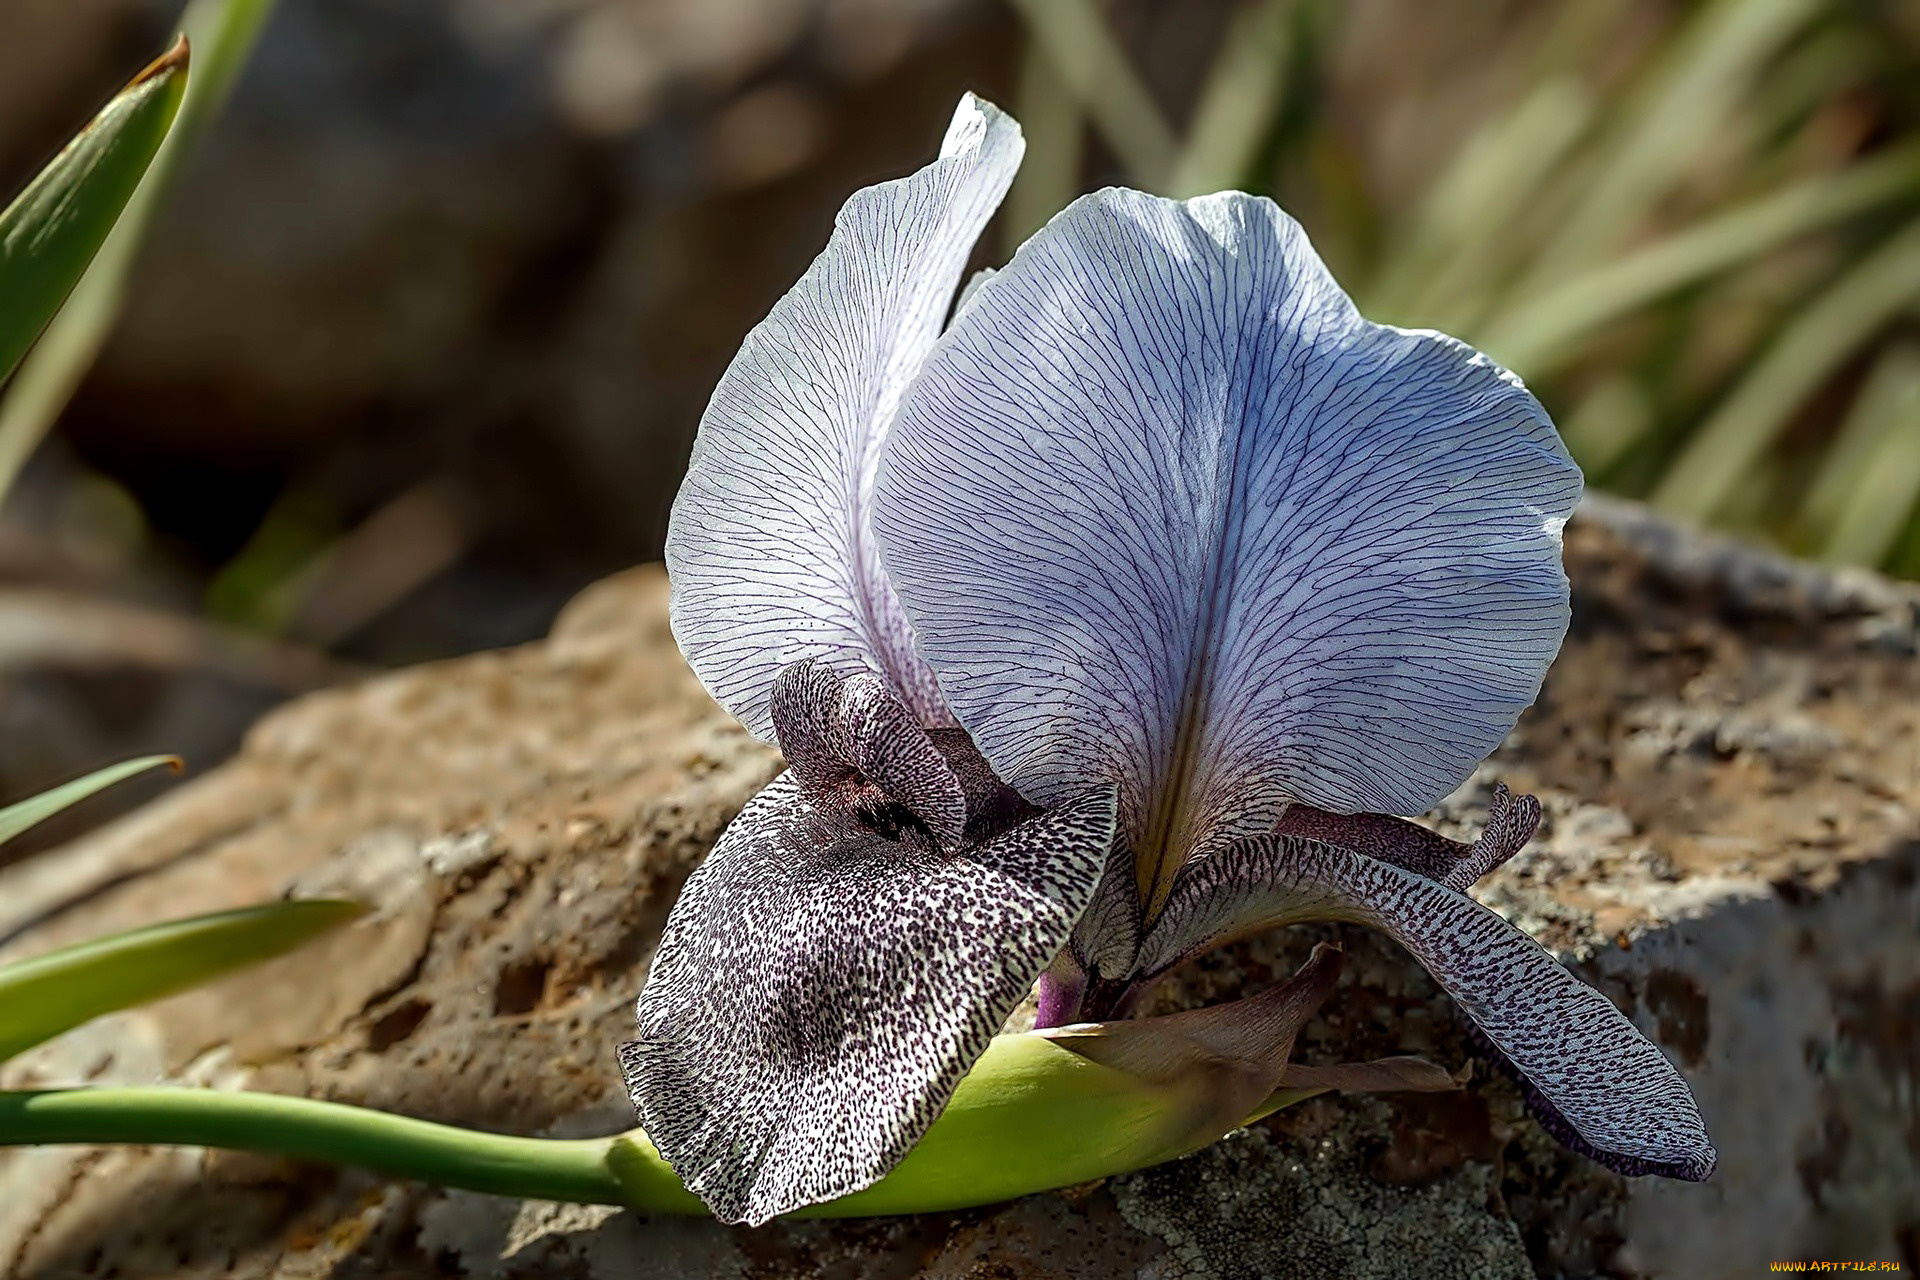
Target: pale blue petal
{"points": [[1165, 511], [769, 549]]}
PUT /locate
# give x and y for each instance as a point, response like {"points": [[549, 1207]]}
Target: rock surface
{"points": [[1728, 752]]}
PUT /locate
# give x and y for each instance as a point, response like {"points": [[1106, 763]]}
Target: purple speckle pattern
{"points": [[834, 966], [1596, 1081], [892, 750], [1511, 821], [770, 548], [851, 743]]}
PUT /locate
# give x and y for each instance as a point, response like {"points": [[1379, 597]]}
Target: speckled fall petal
{"points": [[841, 958], [1601, 1081]]}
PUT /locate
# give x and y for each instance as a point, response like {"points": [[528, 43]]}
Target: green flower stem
{"points": [[1031, 1116], [305, 1129]]}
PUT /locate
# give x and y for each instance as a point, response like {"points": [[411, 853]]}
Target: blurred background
{"points": [[415, 344]]}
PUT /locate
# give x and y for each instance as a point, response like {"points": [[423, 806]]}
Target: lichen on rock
{"points": [[1254, 1206]]}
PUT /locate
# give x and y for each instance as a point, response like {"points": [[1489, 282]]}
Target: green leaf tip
{"points": [[19, 816], [222, 33], [44, 995], [51, 232], [172, 63]]}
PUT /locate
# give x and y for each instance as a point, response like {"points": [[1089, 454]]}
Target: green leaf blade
{"points": [[32, 811], [45, 995], [51, 232], [222, 33]]}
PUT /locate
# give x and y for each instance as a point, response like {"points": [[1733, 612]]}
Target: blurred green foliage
{"points": [[66, 244], [50, 233], [1694, 229], [222, 34]]}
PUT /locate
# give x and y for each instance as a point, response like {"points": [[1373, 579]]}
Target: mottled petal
{"points": [[891, 750], [992, 806], [811, 725], [769, 548], [856, 748], [820, 989], [1602, 1081], [1511, 821], [1108, 936], [1510, 824], [1165, 511], [859, 751], [1092, 979], [1563, 1131]]}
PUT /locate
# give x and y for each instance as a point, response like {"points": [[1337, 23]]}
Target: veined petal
{"points": [[891, 748], [1165, 511], [1601, 1081], [1228, 1057], [769, 548], [809, 719], [820, 990], [1382, 1075]]}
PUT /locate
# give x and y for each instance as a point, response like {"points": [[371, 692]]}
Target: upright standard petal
{"points": [[1166, 512], [821, 989], [1596, 1082], [769, 549]]}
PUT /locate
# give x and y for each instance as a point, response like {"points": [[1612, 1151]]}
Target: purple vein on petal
{"points": [[1166, 512], [770, 548]]}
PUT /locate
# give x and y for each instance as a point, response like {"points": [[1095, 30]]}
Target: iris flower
{"points": [[1103, 616]]}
